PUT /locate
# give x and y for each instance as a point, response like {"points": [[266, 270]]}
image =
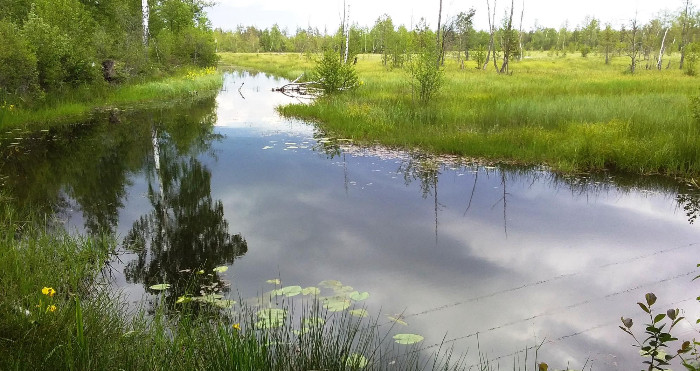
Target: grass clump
{"points": [[572, 113]]}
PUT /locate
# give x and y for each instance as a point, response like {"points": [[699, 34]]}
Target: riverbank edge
{"points": [[570, 148], [191, 84]]}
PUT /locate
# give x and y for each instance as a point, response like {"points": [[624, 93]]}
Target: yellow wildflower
{"points": [[237, 327], [51, 308], [48, 291]]}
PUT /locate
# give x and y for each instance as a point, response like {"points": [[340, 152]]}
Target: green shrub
{"points": [[333, 75], [18, 73], [426, 75]]}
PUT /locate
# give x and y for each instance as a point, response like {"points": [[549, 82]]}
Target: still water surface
{"points": [[520, 256]]}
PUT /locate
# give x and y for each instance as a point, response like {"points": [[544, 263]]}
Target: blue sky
{"points": [[227, 14]]}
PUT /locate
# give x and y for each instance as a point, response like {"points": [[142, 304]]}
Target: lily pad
{"points": [[359, 296], [221, 269], [343, 290], [356, 360], [397, 320], [276, 281], [291, 290], [407, 338], [359, 313], [160, 286], [267, 323], [311, 291], [271, 313], [336, 305], [330, 284], [226, 303]]}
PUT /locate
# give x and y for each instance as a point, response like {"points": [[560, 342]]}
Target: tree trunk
{"points": [[659, 62], [488, 54], [347, 35], [438, 44], [508, 41], [520, 33], [684, 33]]}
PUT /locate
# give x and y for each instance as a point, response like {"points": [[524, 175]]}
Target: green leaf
{"points": [[343, 290], [359, 313], [160, 287], [271, 313], [336, 304], [357, 296], [644, 307], [356, 360], [659, 317], [270, 318], [276, 281], [221, 269], [183, 299], [315, 291], [330, 284], [291, 290], [407, 338], [397, 320]]}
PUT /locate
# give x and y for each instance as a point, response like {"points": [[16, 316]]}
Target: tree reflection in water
{"points": [[186, 231]]}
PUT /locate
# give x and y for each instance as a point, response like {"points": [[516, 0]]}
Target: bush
{"points": [[426, 76], [334, 76], [18, 65]]}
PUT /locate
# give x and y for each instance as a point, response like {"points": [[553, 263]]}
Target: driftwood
{"points": [[309, 89]]}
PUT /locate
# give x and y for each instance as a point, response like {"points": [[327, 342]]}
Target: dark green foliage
{"points": [[57, 46], [333, 75], [18, 73]]}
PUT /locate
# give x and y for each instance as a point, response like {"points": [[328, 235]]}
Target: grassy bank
{"points": [[58, 313], [572, 113], [76, 104]]}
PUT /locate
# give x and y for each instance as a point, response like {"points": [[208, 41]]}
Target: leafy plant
{"points": [[426, 75], [333, 75], [657, 340]]}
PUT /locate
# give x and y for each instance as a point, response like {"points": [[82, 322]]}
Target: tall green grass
{"points": [[58, 313], [572, 113], [75, 104]]}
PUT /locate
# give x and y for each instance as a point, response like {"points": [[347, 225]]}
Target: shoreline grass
{"points": [[56, 313], [571, 113], [79, 103]]}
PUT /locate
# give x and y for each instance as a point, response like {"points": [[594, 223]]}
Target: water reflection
{"points": [[516, 254]]}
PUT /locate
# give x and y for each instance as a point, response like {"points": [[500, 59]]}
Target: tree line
{"points": [[648, 42], [50, 46]]}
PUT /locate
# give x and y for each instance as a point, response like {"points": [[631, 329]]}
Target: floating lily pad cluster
{"points": [[336, 297]]}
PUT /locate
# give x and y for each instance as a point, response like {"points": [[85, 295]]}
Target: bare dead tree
{"points": [[508, 41], [437, 40], [685, 20], [520, 32], [491, 32], [659, 61], [633, 43]]}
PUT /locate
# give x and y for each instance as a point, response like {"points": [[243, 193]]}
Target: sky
{"points": [[327, 14]]}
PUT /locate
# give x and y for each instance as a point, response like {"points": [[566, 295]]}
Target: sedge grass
{"points": [[571, 113]]}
